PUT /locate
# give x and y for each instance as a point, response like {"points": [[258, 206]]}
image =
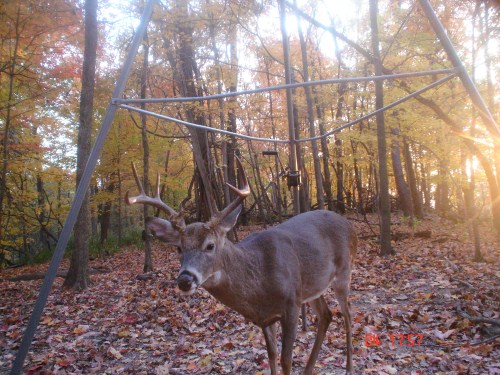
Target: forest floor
{"points": [[431, 294]]}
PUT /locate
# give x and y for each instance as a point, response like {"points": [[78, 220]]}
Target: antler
{"points": [[242, 193], [175, 218]]}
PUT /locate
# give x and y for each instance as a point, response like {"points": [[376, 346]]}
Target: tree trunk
{"points": [[310, 119], [424, 186], [186, 81], [360, 206], [292, 158], [148, 259], [11, 69], [412, 182], [384, 202], [305, 201], [339, 171], [443, 190], [277, 162], [404, 195], [77, 277], [232, 105], [326, 156], [104, 213], [222, 116]]}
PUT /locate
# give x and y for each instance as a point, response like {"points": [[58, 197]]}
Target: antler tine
{"points": [[157, 188], [242, 193], [137, 179], [144, 199]]}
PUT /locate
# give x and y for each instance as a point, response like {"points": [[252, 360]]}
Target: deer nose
{"points": [[185, 281]]}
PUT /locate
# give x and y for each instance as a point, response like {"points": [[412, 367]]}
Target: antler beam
{"points": [[242, 193], [145, 199]]}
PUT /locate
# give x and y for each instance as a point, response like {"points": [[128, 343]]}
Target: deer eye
{"points": [[210, 247]]}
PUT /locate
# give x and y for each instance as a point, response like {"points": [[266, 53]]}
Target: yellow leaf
{"points": [[205, 361], [124, 333]]}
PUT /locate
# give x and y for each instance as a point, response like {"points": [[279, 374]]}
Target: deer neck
{"points": [[236, 279]]}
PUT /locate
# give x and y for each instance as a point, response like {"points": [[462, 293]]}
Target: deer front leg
{"points": [[270, 337], [321, 309], [289, 325]]}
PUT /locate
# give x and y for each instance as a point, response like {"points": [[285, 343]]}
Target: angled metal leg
{"points": [[462, 72], [80, 193]]}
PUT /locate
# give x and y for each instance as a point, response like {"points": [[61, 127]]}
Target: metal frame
{"points": [[288, 141], [117, 102]]}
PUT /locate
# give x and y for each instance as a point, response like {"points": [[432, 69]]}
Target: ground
{"points": [[428, 310]]}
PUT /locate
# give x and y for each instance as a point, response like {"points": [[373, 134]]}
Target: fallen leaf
{"points": [[443, 336], [115, 353]]}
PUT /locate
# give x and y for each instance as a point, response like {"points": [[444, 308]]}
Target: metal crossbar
{"points": [[282, 87], [275, 140]]}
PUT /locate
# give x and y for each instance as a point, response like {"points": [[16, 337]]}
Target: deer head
{"points": [[198, 244]]}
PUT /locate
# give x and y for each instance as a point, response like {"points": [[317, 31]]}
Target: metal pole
{"points": [[79, 195], [282, 87], [462, 72], [289, 105], [278, 140]]}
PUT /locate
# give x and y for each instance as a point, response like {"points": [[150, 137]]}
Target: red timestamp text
{"points": [[396, 339]]}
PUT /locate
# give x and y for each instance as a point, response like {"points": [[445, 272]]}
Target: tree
{"points": [[148, 261], [310, 118], [404, 194], [33, 73], [384, 204], [77, 277]]}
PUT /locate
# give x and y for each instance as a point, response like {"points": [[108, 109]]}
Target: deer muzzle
{"points": [[187, 282]]}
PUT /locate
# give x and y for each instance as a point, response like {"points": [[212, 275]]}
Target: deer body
{"points": [[267, 276], [294, 261]]}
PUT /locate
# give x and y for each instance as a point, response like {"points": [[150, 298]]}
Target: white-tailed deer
{"points": [[267, 276]]}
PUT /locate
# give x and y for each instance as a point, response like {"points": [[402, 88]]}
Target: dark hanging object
{"points": [[270, 153], [293, 178]]}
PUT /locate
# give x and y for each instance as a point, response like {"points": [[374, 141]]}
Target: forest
{"points": [[419, 180]]}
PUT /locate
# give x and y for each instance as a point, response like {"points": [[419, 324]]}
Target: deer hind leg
{"points": [[342, 294], [289, 324], [270, 337], [321, 309]]}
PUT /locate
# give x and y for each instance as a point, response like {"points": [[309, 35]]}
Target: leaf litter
{"points": [[128, 325]]}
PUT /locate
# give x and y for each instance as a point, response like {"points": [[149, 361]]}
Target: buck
{"points": [[267, 276]]}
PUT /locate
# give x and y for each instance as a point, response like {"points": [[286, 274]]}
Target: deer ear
{"points": [[230, 220], [164, 230]]}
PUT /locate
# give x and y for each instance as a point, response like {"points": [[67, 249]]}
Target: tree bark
{"points": [[443, 190], [327, 184], [305, 200], [339, 171], [404, 195], [310, 119], [8, 118], [186, 81], [148, 258], [78, 277], [277, 162], [384, 202], [232, 104], [412, 182]]}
